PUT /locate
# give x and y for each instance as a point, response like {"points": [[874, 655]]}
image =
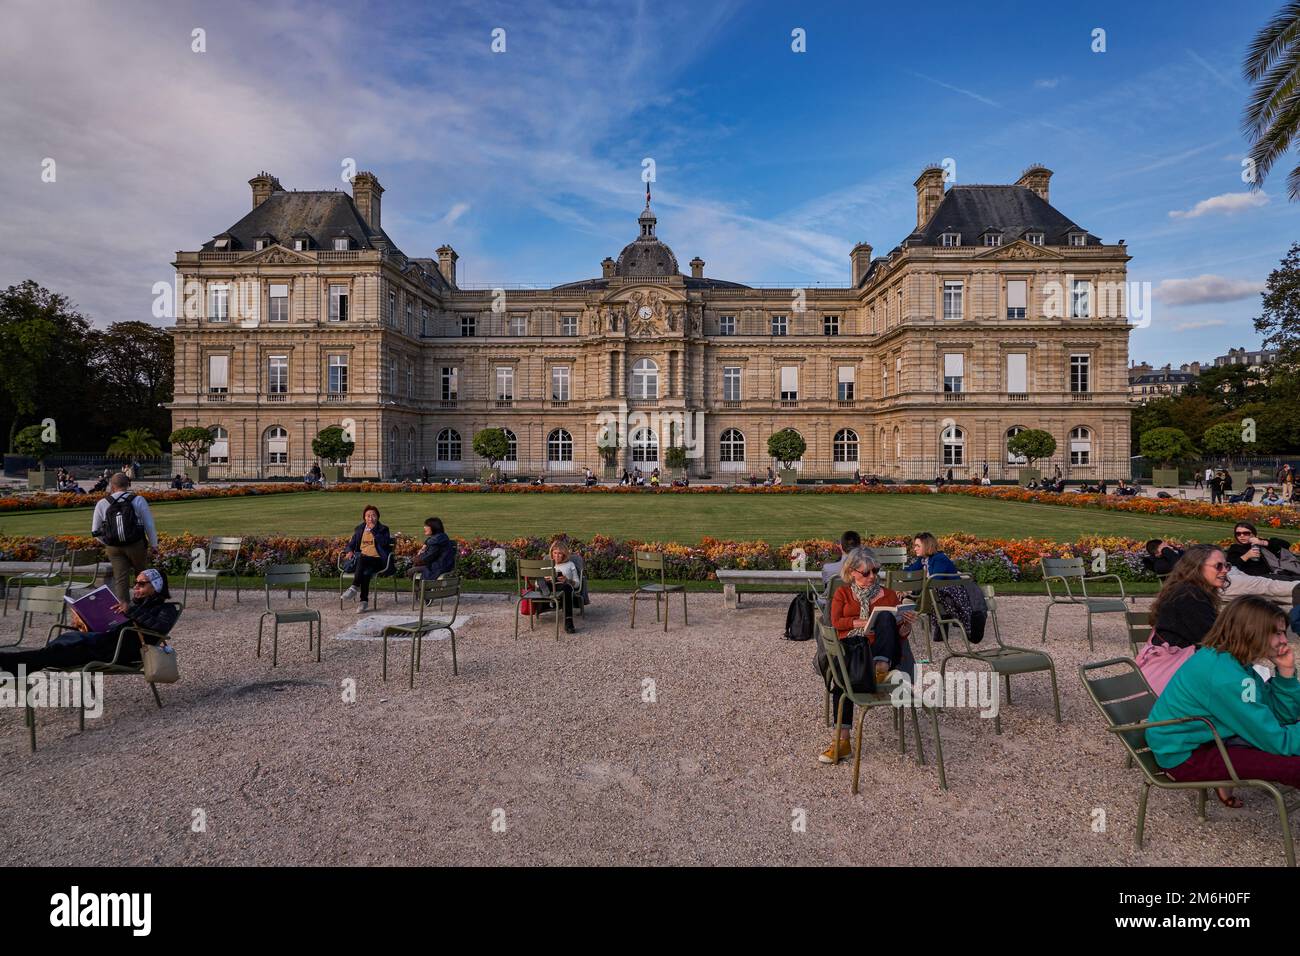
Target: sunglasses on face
{"points": [[1240, 533], [867, 572], [1217, 566]]}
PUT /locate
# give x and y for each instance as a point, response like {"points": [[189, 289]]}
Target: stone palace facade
{"points": [[997, 313]]}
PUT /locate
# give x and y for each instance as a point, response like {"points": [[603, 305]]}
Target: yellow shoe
{"points": [[840, 751]]}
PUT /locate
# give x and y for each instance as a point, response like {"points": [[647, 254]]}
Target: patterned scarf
{"points": [[864, 596]]}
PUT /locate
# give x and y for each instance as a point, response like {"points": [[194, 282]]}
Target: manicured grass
{"points": [[681, 518]]}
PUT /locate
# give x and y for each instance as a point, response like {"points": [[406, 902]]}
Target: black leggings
{"points": [[887, 643], [72, 649], [367, 567]]}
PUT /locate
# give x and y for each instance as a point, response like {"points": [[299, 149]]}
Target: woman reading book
{"points": [[148, 609]]}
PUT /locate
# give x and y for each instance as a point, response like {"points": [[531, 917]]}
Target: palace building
{"points": [[997, 313]]}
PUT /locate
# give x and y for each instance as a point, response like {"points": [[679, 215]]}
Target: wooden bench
{"points": [[732, 580]]}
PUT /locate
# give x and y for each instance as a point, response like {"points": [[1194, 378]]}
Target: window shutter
{"points": [[1017, 377], [218, 371], [953, 364], [846, 374], [1016, 293], [789, 378]]}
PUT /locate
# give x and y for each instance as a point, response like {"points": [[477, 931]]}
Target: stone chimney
{"points": [[446, 262], [1038, 178], [365, 193], [1195, 368], [860, 258], [697, 268], [607, 268], [263, 185], [929, 193]]}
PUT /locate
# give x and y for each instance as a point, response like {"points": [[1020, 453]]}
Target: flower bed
{"points": [[1276, 516], [988, 560], [39, 502]]}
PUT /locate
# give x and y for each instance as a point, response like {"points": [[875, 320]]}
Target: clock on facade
{"points": [[645, 312]]}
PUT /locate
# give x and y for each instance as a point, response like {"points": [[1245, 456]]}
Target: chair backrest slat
{"points": [[1063, 567], [896, 579], [281, 575], [650, 561], [440, 588], [893, 554], [43, 599]]}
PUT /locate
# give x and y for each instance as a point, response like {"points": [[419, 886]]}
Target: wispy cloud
{"points": [[1217, 74], [957, 89], [1047, 83], [1191, 325], [1206, 288], [1225, 203]]}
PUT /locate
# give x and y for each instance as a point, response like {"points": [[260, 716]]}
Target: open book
{"points": [[98, 609], [896, 611]]}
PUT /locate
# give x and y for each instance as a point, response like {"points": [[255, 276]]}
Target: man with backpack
{"points": [[123, 524]]}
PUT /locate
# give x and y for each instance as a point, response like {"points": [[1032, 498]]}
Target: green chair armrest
{"points": [[1218, 741]]}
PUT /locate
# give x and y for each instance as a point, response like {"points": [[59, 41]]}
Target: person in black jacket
{"points": [[370, 546], [438, 556], [1261, 557], [1162, 556], [1188, 603], [148, 608]]}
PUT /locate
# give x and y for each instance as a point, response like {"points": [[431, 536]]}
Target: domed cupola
{"points": [[646, 255]]}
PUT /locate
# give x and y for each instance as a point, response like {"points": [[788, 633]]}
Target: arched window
{"points": [[513, 453], [1013, 459], [1080, 446], [448, 445], [954, 446], [645, 379], [898, 444], [645, 446], [219, 453], [559, 446], [731, 449], [845, 447], [277, 446], [410, 445]]}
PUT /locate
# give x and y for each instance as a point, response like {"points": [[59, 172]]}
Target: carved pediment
{"points": [[1020, 250], [647, 312], [275, 255]]}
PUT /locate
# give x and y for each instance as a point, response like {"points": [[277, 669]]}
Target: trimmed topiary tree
{"points": [[332, 445], [1031, 444], [786, 446], [1223, 439], [675, 458], [1168, 446], [29, 442], [492, 444]]}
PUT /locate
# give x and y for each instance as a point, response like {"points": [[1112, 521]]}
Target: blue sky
{"points": [[770, 164]]}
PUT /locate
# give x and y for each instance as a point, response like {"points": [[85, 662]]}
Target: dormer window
{"points": [[1078, 238], [992, 238], [223, 244], [341, 244], [299, 246], [1034, 238], [260, 244], [951, 239]]}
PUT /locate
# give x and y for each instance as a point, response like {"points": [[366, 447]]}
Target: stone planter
{"points": [[196, 473], [38, 479], [332, 474], [789, 476], [1239, 481], [1164, 477], [1026, 475]]}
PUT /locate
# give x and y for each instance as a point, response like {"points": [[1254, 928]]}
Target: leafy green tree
{"points": [[1223, 440], [137, 443], [1232, 385], [675, 457], [492, 444], [1279, 321], [332, 444], [193, 442], [1167, 445], [28, 442], [132, 369], [1032, 444], [1194, 413], [786, 446], [1270, 118]]}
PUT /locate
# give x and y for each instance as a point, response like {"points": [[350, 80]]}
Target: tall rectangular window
{"points": [[1017, 298], [731, 383], [884, 378], [468, 326], [338, 303], [279, 302], [898, 374], [780, 325], [1080, 307], [218, 373], [219, 303], [518, 324], [1079, 373], [392, 308], [410, 317], [1018, 372], [410, 380], [952, 295], [277, 374], [954, 371], [844, 383], [559, 383], [338, 374], [789, 383], [726, 325], [424, 321], [505, 383], [392, 375], [450, 383], [568, 325], [830, 325]]}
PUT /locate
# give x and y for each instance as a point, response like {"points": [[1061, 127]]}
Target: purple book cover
{"points": [[97, 609]]}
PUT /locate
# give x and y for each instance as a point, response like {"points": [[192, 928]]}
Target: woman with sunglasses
{"points": [[1262, 557], [1257, 719], [1188, 603], [881, 649]]}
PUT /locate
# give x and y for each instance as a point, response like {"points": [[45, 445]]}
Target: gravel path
{"points": [[554, 744]]}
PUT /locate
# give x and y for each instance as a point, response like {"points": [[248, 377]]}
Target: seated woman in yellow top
{"points": [[371, 544]]}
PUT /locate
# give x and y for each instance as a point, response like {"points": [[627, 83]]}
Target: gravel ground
{"points": [[555, 741]]}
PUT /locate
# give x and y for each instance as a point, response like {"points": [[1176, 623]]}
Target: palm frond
{"points": [[1278, 34], [1271, 93]]}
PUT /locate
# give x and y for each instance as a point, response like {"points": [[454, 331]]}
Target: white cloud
{"points": [[1226, 203], [1192, 325], [1206, 288], [1047, 83], [454, 213]]}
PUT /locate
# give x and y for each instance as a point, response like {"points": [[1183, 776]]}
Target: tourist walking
{"points": [[123, 524]]}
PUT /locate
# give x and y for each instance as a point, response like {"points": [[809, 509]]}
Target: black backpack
{"points": [[121, 526], [801, 619]]}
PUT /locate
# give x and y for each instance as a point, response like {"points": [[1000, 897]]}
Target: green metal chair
{"points": [[924, 610], [1004, 659], [441, 589], [653, 563], [56, 553], [904, 582], [823, 601], [1125, 701], [866, 701], [83, 571], [1139, 629], [41, 599], [286, 576], [891, 555], [527, 571], [387, 571], [1066, 570], [212, 573]]}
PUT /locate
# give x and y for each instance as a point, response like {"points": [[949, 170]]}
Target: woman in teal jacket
{"points": [[1220, 682]]}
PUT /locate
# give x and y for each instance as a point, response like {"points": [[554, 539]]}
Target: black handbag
{"points": [[349, 565], [857, 657]]}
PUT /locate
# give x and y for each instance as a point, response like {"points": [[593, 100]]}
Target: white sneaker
{"points": [[349, 595], [363, 607]]}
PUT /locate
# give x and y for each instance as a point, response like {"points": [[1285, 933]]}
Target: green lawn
{"points": [[680, 518]]}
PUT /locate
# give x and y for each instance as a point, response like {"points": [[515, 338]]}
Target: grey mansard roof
{"points": [[1012, 211]]}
